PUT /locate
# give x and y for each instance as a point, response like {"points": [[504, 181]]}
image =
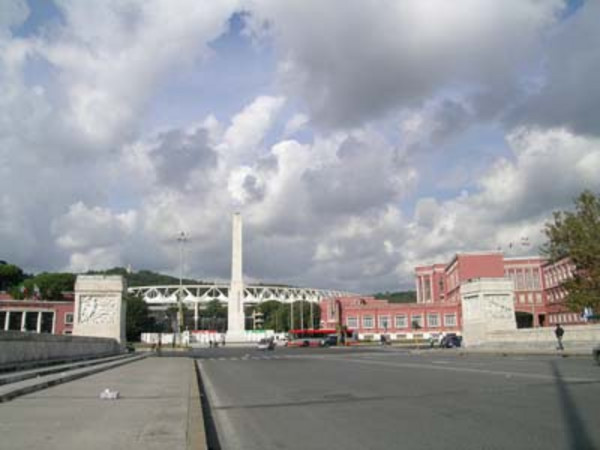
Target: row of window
{"points": [[557, 295], [558, 274], [525, 279], [401, 321], [529, 297], [38, 321], [564, 318]]}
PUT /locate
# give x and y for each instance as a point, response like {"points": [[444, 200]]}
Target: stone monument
{"points": [[99, 307], [488, 305], [235, 307]]}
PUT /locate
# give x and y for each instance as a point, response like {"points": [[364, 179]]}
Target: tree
{"points": [[10, 275], [576, 234], [397, 297], [138, 319]]}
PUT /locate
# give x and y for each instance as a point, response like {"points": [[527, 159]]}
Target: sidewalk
{"points": [[159, 408], [510, 351]]}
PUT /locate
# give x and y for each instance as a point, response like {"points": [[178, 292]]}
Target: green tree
{"points": [[271, 310], [397, 297], [10, 275], [138, 319], [301, 308], [49, 286], [576, 234]]}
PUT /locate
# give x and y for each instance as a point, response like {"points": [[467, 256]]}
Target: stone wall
{"points": [[581, 337], [18, 348]]}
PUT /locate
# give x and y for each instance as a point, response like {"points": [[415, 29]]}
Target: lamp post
{"points": [[182, 239]]}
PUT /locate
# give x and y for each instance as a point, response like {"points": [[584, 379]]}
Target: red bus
{"points": [[314, 338]]}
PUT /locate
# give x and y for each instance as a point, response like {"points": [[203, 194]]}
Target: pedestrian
{"points": [[559, 332]]}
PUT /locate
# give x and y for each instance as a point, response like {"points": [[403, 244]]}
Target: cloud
{"points": [[568, 95], [12, 14], [340, 167], [361, 61], [248, 129], [94, 237]]}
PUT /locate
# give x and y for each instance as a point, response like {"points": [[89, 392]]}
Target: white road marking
{"points": [[535, 376]]}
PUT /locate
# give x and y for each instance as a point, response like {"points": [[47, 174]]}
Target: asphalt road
{"points": [[394, 399]]}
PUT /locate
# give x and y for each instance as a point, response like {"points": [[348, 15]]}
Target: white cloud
{"points": [[360, 60], [248, 128]]}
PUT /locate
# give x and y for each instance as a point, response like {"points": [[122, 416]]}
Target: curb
{"points": [[196, 430], [79, 373]]}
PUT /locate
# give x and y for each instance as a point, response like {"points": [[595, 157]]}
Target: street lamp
{"points": [[182, 239]]}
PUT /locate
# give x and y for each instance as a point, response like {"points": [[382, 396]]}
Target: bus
{"points": [[314, 338]]}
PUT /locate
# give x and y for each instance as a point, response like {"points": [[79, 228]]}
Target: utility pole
{"points": [[182, 239]]}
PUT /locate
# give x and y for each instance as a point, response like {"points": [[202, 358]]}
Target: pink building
{"points": [[554, 274], [372, 317], [37, 316], [539, 297]]}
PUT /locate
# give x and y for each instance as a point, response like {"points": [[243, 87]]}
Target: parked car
{"points": [[451, 340], [596, 353], [265, 344], [330, 340]]}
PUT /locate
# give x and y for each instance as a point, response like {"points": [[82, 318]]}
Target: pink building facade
{"points": [[538, 295], [36, 316], [372, 317], [554, 274]]}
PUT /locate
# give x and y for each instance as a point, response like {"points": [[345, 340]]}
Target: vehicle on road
{"points": [[329, 341], [265, 344], [596, 353], [313, 337], [451, 340]]}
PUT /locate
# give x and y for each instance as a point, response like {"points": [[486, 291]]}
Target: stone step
{"points": [[26, 386], [20, 375]]}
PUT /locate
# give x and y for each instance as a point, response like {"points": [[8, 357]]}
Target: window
{"points": [[384, 322], [31, 318], [416, 321], [401, 321], [368, 322], [538, 297], [352, 322], [47, 322], [433, 320], [2, 320], [69, 318], [450, 320], [14, 321]]}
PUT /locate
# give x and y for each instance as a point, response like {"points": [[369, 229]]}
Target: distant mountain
{"points": [[144, 277]]}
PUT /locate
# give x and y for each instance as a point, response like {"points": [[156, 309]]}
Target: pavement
{"points": [[382, 398], [158, 408]]}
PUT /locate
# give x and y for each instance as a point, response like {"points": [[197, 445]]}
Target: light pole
{"points": [[182, 239]]}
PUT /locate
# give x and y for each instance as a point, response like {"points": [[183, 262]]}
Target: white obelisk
{"points": [[235, 308]]}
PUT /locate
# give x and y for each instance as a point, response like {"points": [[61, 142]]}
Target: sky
{"points": [[357, 138]]}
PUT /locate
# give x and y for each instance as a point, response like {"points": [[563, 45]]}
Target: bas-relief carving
{"points": [[498, 307], [98, 309]]}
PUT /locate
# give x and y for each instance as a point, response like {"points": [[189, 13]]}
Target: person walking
{"points": [[559, 332]]}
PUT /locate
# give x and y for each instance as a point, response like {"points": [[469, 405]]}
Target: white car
{"points": [[265, 344]]}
